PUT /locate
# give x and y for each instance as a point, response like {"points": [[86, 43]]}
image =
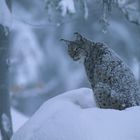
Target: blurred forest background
{"points": [[40, 67]]}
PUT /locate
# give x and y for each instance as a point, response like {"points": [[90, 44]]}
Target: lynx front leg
{"points": [[106, 98]]}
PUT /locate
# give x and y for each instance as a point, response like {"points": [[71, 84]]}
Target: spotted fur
{"points": [[111, 79]]}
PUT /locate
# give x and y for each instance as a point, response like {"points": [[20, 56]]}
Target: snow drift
{"points": [[18, 119], [74, 116]]}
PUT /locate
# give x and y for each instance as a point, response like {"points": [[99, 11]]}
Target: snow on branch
{"points": [[67, 6], [5, 14], [131, 9]]}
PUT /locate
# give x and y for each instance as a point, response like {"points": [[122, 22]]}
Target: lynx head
{"points": [[77, 49]]}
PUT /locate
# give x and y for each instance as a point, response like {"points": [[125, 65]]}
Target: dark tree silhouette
{"points": [[5, 117]]}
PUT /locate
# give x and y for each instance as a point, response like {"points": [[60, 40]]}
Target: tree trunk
{"points": [[5, 117]]}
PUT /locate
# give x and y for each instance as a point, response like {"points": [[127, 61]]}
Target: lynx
{"points": [[112, 81]]}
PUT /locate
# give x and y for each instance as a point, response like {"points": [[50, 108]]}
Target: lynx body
{"points": [[112, 81]]}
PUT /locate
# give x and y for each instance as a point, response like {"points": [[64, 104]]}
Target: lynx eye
{"points": [[75, 49]]}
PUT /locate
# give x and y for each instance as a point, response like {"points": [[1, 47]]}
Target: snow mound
{"points": [[18, 119], [74, 116]]}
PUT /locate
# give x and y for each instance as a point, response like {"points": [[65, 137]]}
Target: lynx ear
{"points": [[78, 36]]}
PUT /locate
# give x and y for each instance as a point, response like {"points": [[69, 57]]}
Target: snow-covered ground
{"points": [[0, 136], [18, 119], [74, 116]]}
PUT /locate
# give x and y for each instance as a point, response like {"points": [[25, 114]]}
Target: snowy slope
{"points": [[18, 119], [74, 116], [0, 136]]}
